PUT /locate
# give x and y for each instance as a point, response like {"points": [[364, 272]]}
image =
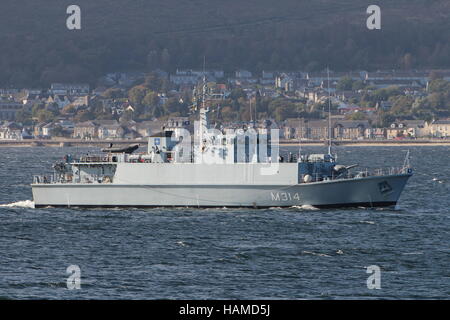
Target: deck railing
{"points": [[43, 179], [370, 172], [357, 174]]}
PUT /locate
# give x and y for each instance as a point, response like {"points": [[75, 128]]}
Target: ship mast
{"points": [[203, 111], [252, 120], [329, 113], [299, 134]]}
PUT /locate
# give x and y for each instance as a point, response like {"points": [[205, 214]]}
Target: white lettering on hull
{"points": [[285, 196]]}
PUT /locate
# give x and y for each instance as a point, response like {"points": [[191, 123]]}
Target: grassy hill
{"points": [[36, 48]]}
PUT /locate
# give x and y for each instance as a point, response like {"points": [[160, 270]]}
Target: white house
{"points": [[440, 128]]}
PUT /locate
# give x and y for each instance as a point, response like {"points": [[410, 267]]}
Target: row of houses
{"points": [[73, 89], [305, 129], [380, 78], [295, 129], [58, 96], [9, 109], [277, 79], [12, 131], [291, 83], [109, 129], [312, 86]]}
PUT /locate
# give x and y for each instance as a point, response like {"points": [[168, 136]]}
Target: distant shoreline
{"points": [[370, 143], [283, 143], [362, 144]]}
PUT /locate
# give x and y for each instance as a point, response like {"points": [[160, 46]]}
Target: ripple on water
{"points": [[298, 253]]}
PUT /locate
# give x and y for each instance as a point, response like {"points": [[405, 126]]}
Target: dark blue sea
{"points": [[295, 253]]}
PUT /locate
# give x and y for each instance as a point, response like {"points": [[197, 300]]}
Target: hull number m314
{"points": [[284, 196]]}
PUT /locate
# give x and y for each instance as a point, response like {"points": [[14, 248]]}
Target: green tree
{"points": [[59, 131], [237, 93], [439, 86], [113, 93], [136, 97], [136, 94], [345, 84], [172, 106], [153, 82], [401, 106], [385, 119], [358, 85], [36, 108], [24, 116], [84, 115], [45, 115], [151, 99]]}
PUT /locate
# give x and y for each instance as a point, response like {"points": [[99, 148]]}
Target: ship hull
{"points": [[372, 191]]}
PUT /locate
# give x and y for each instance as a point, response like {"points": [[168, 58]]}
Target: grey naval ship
{"points": [[220, 168]]}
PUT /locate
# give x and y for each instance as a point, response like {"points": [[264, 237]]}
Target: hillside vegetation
{"points": [[128, 35]]}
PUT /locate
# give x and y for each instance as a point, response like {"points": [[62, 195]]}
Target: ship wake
{"points": [[19, 204], [305, 207]]}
